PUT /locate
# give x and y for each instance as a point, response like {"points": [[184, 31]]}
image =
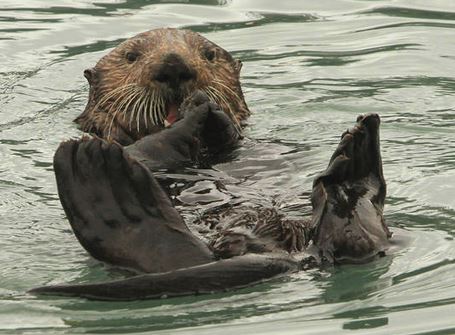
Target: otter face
{"points": [[138, 87]]}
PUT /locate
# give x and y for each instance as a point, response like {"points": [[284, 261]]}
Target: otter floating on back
{"points": [[167, 98]]}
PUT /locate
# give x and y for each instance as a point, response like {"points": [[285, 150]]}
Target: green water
{"points": [[309, 68]]}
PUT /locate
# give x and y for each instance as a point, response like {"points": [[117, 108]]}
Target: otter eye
{"points": [[132, 56], [210, 55]]}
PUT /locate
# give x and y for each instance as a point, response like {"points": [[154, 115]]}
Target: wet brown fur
{"points": [[236, 231], [109, 116]]}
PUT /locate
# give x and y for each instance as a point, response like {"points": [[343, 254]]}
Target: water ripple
{"points": [[310, 67]]}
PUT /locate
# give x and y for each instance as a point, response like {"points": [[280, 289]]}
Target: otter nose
{"points": [[174, 71]]}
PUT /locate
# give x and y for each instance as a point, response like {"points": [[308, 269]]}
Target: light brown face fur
{"points": [[135, 87]]}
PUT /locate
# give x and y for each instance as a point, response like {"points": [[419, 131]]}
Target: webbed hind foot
{"points": [[348, 198], [118, 211]]}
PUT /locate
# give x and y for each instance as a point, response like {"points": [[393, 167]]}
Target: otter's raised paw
{"points": [[220, 132], [348, 198], [175, 146]]}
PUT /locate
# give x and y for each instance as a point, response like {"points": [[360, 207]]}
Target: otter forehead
{"points": [[169, 38], [162, 41]]}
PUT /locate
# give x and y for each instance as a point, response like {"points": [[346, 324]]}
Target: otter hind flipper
{"points": [[219, 276], [118, 211], [348, 198]]}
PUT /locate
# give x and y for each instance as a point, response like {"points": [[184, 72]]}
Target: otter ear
{"points": [[238, 65], [90, 75]]}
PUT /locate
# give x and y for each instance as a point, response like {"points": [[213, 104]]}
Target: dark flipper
{"points": [[119, 212], [218, 276], [348, 198]]}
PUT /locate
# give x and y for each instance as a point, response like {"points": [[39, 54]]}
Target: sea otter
{"points": [[122, 215]]}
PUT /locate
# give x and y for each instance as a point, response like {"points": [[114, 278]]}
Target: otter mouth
{"points": [[175, 110], [172, 113]]}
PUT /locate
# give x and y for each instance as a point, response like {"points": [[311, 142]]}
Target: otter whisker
{"points": [[148, 107], [157, 109], [162, 108], [104, 98], [222, 100], [123, 104], [138, 106], [227, 88], [230, 113], [130, 99], [141, 107], [111, 123], [117, 106], [120, 92], [221, 97], [108, 137], [136, 111], [211, 96], [152, 108], [227, 103], [116, 110]]}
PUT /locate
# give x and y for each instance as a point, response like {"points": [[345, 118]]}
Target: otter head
{"points": [[138, 87]]}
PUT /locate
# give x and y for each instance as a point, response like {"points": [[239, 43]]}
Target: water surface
{"points": [[310, 67]]}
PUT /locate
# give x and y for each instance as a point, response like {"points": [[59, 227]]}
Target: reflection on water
{"points": [[310, 67]]}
